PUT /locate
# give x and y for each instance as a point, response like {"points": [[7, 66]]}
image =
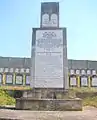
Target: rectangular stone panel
{"points": [[49, 40], [49, 64], [49, 58]]}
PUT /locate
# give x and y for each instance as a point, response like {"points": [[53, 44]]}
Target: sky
{"points": [[18, 17]]}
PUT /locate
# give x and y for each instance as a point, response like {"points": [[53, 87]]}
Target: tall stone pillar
{"points": [[49, 50]]}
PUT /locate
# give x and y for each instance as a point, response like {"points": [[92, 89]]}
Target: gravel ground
{"points": [[89, 113]]}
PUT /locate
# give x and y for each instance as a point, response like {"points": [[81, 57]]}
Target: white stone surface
{"points": [[49, 59]]}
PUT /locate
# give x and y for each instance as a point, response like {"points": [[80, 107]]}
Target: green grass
{"points": [[87, 101], [83, 89], [90, 101], [5, 99]]}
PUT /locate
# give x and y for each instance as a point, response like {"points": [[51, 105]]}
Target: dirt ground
{"points": [[88, 113]]}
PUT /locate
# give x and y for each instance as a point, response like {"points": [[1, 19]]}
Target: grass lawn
{"points": [[5, 99], [89, 100]]}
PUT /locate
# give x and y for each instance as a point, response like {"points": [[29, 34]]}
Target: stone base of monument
{"points": [[48, 100], [49, 104]]}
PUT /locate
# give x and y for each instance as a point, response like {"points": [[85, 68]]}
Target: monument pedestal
{"points": [[48, 100]]}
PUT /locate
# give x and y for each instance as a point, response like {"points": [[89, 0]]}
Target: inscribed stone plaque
{"points": [[49, 40], [48, 63]]}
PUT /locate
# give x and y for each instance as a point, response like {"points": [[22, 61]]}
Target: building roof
{"points": [[17, 62]]}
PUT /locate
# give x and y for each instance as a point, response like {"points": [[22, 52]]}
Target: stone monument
{"points": [[49, 65], [49, 51]]}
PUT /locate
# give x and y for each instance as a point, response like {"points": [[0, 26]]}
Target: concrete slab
{"points": [[86, 114]]}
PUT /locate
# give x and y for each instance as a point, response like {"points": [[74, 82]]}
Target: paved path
{"points": [[89, 113]]}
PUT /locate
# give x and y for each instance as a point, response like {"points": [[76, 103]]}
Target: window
{"points": [[9, 79], [19, 79], [94, 82], [0, 78], [84, 81], [73, 81], [27, 80]]}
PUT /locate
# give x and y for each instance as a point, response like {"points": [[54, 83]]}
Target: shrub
{"points": [[5, 99]]}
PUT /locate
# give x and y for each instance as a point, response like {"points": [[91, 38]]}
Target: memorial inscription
{"points": [[49, 58], [49, 41]]}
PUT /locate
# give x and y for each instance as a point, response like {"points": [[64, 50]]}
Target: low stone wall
{"points": [[49, 104]]}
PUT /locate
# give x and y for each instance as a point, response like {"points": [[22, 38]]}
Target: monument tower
{"points": [[49, 70], [49, 50]]}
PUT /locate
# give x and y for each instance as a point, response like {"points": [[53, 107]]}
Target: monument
{"points": [[49, 66], [49, 51]]}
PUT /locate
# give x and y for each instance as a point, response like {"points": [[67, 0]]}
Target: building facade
{"points": [[15, 73]]}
